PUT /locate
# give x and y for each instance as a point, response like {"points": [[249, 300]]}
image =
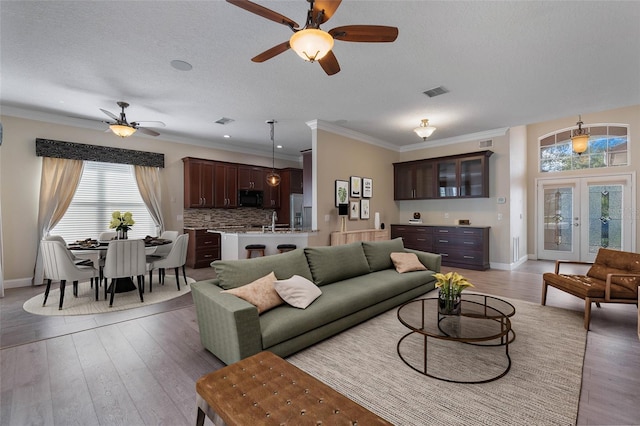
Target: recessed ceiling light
{"points": [[279, 146], [226, 136], [181, 65]]}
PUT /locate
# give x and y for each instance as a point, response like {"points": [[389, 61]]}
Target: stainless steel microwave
{"points": [[250, 198]]}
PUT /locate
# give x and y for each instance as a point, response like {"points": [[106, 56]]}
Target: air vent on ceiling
{"points": [[436, 91], [486, 144], [224, 120]]}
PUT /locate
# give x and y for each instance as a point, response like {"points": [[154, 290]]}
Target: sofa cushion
{"points": [[406, 262], [297, 291], [336, 263], [234, 273], [338, 300], [378, 253], [260, 293], [616, 262]]}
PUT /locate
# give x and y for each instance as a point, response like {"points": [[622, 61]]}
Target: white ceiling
{"points": [[504, 63]]}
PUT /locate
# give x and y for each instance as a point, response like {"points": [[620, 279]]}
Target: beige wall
{"points": [[339, 157], [628, 115], [20, 180]]}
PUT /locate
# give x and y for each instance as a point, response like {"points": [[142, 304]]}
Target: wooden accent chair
{"points": [[614, 277]]}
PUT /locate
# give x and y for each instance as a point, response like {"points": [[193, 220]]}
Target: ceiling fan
{"points": [[310, 42], [124, 129]]}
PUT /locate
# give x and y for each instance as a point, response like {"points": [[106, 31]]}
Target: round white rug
{"points": [[85, 303]]}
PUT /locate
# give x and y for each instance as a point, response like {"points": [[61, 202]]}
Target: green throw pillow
{"points": [[235, 273], [378, 253], [336, 263]]}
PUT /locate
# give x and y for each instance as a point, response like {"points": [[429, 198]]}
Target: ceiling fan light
{"points": [[424, 130], [311, 44], [122, 130]]}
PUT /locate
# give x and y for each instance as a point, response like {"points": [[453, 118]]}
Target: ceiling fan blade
{"points": [[110, 114], [264, 12], [148, 131], [270, 53], [329, 63], [149, 123], [329, 7], [365, 33]]}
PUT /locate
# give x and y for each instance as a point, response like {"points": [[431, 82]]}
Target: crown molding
{"points": [[352, 134], [456, 139]]}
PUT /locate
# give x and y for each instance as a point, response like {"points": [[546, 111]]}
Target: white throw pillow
{"points": [[297, 291]]}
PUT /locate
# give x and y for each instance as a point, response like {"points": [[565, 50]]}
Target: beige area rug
{"points": [[542, 387], [85, 303]]}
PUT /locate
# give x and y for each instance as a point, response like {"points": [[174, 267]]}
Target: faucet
{"points": [[274, 217]]}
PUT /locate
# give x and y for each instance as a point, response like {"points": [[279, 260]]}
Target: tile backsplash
{"points": [[214, 218]]}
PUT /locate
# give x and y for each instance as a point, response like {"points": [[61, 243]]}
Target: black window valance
{"points": [[104, 154]]}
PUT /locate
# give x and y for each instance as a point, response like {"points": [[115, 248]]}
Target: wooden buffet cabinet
{"points": [[203, 248], [340, 238], [460, 246]]}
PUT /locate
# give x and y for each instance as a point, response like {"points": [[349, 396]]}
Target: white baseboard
{"points": [[20, 282], [509, 266]]}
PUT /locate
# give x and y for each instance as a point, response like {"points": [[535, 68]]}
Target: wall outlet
{"points": [[179, 217], [446, 215], [327, 217], [499, 216]]}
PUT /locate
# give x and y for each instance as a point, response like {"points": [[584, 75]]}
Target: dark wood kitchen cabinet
{"points": [[203, 248], [226, 185], [198, 183], [460, 246], [454, 176], [251, 177]]}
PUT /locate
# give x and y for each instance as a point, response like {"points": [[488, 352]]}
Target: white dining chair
{"points": [[107, 235], [125, 259], [163, 250], [76, 259], [176, 258], [59, 266]]}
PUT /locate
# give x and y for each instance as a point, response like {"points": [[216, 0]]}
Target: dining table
{"points": [[96, 250]]}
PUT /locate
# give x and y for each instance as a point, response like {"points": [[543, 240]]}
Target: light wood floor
{"points": [[140, 366]]}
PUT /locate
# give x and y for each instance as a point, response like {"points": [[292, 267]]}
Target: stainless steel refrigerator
{"points": [[296, 213]]}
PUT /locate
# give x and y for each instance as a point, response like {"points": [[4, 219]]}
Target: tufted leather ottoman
{"points": [[264, 389]]}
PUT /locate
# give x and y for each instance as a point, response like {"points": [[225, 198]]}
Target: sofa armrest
{"points": [[431, 260], [229, 326]]}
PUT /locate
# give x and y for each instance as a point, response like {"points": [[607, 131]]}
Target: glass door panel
{"points": [[424, 180], [447, 179], [557, 231], [471, 177]]}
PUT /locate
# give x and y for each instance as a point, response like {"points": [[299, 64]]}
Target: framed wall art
{"points": [[367, 187], [364, 209], [354, 210], [356, 186], [342, 192]]}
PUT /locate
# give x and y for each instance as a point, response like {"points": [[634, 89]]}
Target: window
{"points": [[104, 188], [607, 148]]}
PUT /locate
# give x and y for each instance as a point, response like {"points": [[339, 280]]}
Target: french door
{"points": [[577, 216]]}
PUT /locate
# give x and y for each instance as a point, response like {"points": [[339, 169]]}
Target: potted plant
{"points": [[450, 288]]}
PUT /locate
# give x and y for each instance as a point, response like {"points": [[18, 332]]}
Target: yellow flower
{"points": [[121, 222], [451, 282]]}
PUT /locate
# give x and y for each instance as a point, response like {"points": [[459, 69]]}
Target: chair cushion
{"points": [[618, 262], [297, 291], [260, 293], [378, 253], [329, 264], [584, 286]]}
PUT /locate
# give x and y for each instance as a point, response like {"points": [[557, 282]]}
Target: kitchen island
{"points": [[233, 242]]}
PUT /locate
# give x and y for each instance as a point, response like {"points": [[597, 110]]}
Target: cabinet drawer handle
{"points": [[444, 231], [421, 239], [468, 242], [208, 255], [468, 232], [208, 242], [443, 254], [443, 241], [469, 257]]}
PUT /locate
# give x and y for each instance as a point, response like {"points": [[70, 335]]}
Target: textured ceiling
{"points": [[504, 64]]}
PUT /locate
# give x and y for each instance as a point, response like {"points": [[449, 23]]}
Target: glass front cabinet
{"points": [[455, 176]]}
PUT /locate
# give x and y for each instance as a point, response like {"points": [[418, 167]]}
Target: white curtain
{"points": [[60, 178], [148, 179]]}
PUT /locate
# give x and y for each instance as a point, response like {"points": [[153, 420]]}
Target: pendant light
{"points": [[424, 130], [122, 130], [580, 138], [273, 178]]}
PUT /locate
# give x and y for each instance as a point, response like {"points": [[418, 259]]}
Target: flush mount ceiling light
{"points": [[424, 130], [580, 138], [122, 130], [273, 178], [311, 44]]}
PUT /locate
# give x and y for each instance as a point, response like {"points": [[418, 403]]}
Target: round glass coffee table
{"points": [[472, 347]]}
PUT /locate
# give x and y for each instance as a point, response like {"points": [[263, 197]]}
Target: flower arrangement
{"points": [[121, 221], [450, 287]]}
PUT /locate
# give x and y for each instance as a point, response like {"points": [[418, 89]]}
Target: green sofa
{"points": [[358, 281]]}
